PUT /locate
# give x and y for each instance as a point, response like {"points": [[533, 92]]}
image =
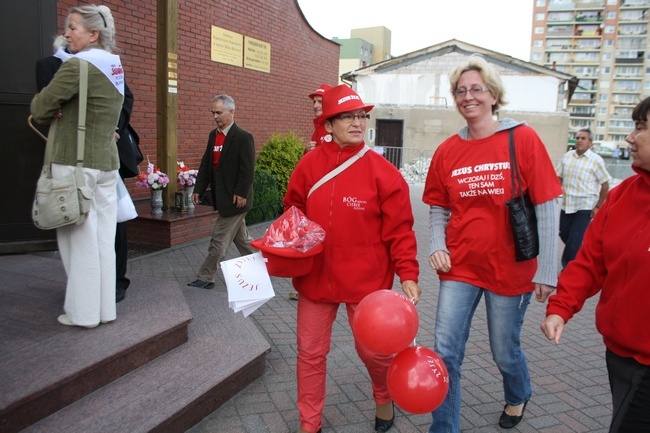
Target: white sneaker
{"points": [[65, 320]]}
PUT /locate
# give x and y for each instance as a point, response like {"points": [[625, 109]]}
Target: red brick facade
{"points": [[301, 60]]}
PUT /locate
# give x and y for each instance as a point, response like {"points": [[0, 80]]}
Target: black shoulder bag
{"points": [[522, 213]]}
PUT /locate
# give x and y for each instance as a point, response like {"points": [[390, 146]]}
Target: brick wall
{"points": [[301, 60]]}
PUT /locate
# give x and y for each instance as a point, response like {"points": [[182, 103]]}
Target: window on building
{"points": [[604, 84], [611, 15], [631, 43], [609, 42], [602, 110], [623, 112], [585, 71], [600, 124], [633, 15], [605, 70], [539, 30], [603, 97], [586, 57], [632, 29], [628, 71], [540, 3], [607, 56], [537, 57], [581, 123], [581, 110], [540, 17], [626, 99], [609, 29], [619, 123]]}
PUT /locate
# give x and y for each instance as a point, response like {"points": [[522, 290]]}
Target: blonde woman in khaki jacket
{"points": [[87, 250]]}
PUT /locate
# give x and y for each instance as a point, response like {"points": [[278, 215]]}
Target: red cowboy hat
{"points": [[340, 99], [320, 91], [287, 262]]}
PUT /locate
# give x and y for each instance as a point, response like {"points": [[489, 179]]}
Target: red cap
{"points": [[287, 262], [341, 99], [320, 91]]}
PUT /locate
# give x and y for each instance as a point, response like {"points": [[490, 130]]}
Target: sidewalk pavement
{"points": [[570, 386]]}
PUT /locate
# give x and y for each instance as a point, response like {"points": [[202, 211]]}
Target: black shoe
{"points": [[201, 284], [509, 421], [383, 425], [120, 294]]}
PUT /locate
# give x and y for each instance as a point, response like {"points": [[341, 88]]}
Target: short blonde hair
{"points": [[488, 74]]}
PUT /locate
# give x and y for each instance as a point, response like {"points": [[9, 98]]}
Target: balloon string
{"points": [[413, 302]]}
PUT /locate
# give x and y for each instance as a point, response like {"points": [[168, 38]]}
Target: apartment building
{"points": [[604, 43]]}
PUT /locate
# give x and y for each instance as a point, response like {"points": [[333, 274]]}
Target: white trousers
{"points": [[88, 252]]}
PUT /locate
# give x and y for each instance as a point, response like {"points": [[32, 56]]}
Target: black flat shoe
{"points": [[509, 421], [201, 284], [383, 425]]}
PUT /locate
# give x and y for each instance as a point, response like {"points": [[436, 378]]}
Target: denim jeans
{"points": [[572, 229], [505, 315]]}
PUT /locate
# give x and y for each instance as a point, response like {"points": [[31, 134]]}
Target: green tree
{"points": [[267, 203], [279, 157]]}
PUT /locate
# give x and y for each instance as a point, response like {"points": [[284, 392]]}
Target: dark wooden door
{"points": [[389, 136], [27, 30]]}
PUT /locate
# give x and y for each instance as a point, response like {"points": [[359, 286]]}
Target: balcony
{"points": [[582, 101], [623, 59], [582, 115], [633, 4]]}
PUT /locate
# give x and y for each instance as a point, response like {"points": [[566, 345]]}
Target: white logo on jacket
{"points": [[355, 203]]}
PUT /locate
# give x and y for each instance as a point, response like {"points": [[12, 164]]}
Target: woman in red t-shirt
{"points": [[472, 247]]}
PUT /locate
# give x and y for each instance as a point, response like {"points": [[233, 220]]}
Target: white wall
{"points": [[523, 93]]}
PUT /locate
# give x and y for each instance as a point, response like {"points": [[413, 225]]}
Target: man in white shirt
{"points": [[585, 182]]}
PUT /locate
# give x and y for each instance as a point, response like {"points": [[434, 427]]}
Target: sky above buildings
{"points": [[498, 25]]}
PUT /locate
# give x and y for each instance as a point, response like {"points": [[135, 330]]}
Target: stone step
{"points": [[113, 377]]}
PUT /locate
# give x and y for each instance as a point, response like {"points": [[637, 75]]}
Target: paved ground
{"points": [[571, 392]]}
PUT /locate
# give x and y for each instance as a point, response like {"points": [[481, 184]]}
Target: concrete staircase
{"points": [[172, 356]]}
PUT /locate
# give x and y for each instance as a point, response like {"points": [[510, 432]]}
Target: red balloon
{"points": [[418, 380], [385, 322]]}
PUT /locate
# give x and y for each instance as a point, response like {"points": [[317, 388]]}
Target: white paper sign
{"points": [[248, 283]]}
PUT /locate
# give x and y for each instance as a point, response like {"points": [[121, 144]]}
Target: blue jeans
{"points": [[505, 316], [572, 229]]}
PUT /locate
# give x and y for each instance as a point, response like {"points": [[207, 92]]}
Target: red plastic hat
{"points": [[287, 262], [341, 99], [320, 91]]}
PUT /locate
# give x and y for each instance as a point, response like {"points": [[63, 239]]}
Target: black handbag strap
{"points": [[514, 167]]}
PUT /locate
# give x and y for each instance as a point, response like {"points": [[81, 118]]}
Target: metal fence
{"points": [[412, 163]]}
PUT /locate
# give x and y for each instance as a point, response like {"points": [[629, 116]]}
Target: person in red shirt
{"points": [[228, 167], [320, 134], [472, 246], [366, 214], [613, 261]]}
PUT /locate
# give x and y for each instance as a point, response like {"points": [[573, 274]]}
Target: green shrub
{"points": [[267, 204], [279, 157]]}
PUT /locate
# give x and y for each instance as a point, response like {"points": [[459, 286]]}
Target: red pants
{"points": [[314, 331]]}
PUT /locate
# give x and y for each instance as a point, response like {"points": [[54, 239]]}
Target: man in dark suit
{"points": [[228, 166], [127, 147]]}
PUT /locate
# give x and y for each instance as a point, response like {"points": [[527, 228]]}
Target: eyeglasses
{"points": [[460, 93], [349, 117]]}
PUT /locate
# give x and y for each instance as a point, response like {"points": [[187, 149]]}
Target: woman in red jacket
{"points": [[613, 260], [366, 214]]}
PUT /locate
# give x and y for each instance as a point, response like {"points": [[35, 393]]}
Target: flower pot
{"points": [[156, 202]]}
